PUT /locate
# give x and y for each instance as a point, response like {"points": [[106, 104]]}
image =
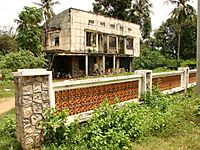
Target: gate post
{"points": [[146, 83], [184, 77], [33, 91]]}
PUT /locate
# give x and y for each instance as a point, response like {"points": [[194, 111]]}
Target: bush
{"points": [[19, 60], [151, 59], [57, 133], [111, 127], [8, 139]]}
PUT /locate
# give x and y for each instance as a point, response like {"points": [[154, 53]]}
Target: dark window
{"points": [[112, 42], [112, 26], [55, 39], [129, 29], [102, 24], [121, 28], [90, 39], [90, 22], [129, 43]]}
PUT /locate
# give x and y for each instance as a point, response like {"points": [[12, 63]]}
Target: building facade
{"points": [[83, 43]]}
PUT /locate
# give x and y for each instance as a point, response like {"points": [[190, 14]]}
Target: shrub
{"points": [[8, 139], [57, 132], [112, 127], [19, 60], [151, 59]]}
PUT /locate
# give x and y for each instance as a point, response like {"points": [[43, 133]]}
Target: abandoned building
{"points": [[82, 43]]}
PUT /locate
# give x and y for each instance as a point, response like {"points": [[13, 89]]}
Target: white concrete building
{"points": [[83, 43]]}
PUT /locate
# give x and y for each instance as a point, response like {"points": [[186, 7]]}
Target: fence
{"points": [[35, 92]]}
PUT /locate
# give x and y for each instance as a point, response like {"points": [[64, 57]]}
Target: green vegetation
{"points": [[160, 122], [29, 32], [8, 139], [6, 89], [19, 60], [136, 11], [168, 119]]}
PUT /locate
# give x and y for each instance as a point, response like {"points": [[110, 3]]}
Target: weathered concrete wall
{"points": [[74, 23], [76, 72], [32, 97]]}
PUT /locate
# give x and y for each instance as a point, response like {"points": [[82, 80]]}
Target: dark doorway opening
{"points": [[109, 62], [125, 63], [62, 66]]}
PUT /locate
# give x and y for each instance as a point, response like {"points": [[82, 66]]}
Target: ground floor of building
{"points": [[73, 66]]}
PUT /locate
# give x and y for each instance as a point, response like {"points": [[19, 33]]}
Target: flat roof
{"points": [[90, 12]]}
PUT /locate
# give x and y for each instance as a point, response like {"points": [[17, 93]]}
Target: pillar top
{"points": [[31, 72]]}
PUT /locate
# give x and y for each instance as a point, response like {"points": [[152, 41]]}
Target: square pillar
{"points": [[146, 83], [114, 63], [86, 65], [117, 44], [104, 64], [124, 45], [97, 43], [33, 95], [184, 77], [117, 62], [107, 43], [130, 66]]}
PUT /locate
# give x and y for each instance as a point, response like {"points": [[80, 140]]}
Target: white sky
{"points": [[9, 10]]}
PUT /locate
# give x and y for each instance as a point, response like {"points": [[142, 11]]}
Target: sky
{"points": [[10, 10]]}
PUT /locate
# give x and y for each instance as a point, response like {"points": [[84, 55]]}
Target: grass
{"points": [[8, 139], [6, 89], [185, 141], [185, 130]]}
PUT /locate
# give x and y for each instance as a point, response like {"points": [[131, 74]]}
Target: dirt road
{"points": [[6, 104]]}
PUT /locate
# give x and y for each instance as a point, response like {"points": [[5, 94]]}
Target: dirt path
{"points": [[6, 104]]}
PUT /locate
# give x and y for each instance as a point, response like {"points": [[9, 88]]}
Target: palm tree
{"points": [[181, 13], [141, 14], [46, 7]]}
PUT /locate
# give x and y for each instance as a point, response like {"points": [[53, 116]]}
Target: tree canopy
{"points": [[166, 39], [29, 31], [135, 11]]}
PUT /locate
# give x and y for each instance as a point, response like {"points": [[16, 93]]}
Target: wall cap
{"points": [[31, 72]]}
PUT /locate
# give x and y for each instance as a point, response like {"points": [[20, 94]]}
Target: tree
{"points": [[29, 32], [181, 13], [7, 44], [135, 12], [47, 10], [140, 14], [166, 39], [114, 8]]}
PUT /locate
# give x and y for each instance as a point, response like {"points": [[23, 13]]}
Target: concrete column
{"points": [[117, 44], [146, 82], [104, 64], [184, 77], [97, 42], [107, 43], [33, 95], [130, 66], [86, 65], [117, 62], [114, 63], [124, 45]]}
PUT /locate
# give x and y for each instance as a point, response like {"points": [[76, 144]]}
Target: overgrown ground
{"points": [[160, 123], [6, 89], [7, 132]]}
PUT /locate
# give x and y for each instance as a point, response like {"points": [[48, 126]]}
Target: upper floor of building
{"points": [[77, 31]]}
